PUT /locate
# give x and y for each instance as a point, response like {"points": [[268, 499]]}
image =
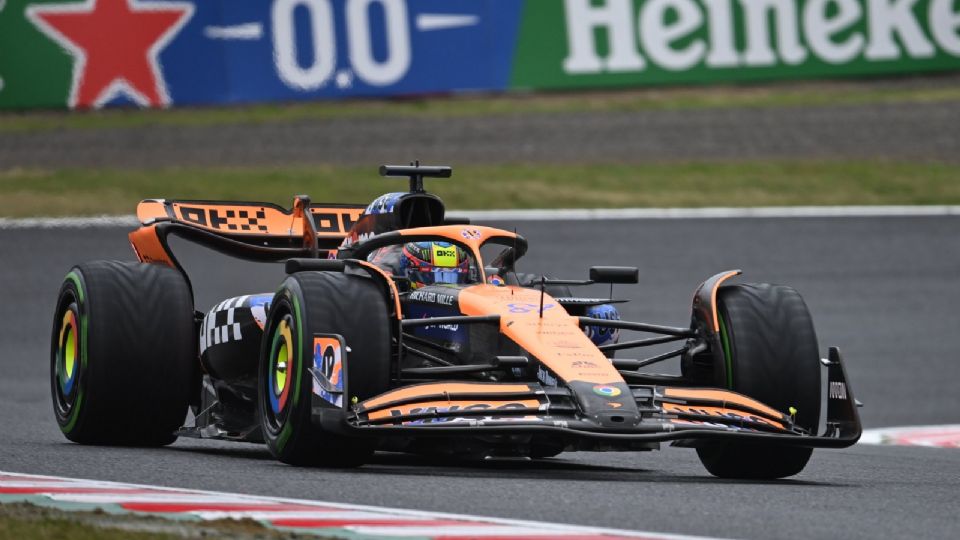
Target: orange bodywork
{"points": [[146, 243], [425, 406], [390, 283], [444, 388], [713, 297], [555, 339], [724, 412], [721, 396]]}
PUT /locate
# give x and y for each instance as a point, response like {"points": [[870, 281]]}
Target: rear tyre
{"points": [[123, 354], [771, 353], [311, 303]]}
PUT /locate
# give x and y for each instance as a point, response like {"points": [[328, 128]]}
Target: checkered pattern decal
{"points": [[220, 325]]}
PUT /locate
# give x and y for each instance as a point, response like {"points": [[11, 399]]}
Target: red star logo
{"points": [[115, 45]]}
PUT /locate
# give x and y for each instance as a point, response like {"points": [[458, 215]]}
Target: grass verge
{"points": [[795, 94], [25, 193], [21, 521]]}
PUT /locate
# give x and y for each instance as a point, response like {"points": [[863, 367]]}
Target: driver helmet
{"points": [[426, 263]]}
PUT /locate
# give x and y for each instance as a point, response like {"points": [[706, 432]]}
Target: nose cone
{"points": [[557, 342]]}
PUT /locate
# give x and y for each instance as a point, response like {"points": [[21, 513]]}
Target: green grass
{"points": [[770, 95], [24, 521], [26, 193], [12, 528]]}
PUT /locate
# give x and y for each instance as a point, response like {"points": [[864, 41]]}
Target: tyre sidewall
{"points": [[138, 353], [325, 303]]}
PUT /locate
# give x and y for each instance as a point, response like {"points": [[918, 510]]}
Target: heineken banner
{"points": [[584, 43], [156, 53]]}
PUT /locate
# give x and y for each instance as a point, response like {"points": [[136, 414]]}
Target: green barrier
{"points": [[610, 43]]}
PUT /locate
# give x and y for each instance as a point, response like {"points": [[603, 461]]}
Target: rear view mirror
{"points": [[615, 274]]}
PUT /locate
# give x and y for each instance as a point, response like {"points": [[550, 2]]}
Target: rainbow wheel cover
{"points": [[68, 355], [281, 361]]}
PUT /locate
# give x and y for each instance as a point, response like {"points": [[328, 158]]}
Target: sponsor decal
{"points": [[543, 374], [92, 53], [642, 42], [223, 219], [449, 409], [577, 354], [453, 335], [525, 307], [838, 390], [254, 220], [328, 369], [447, 327], [606, 390], [115, 47], [432, 297], [163, 53], [584, 364], [614, 404], [471, 234], [334, 221]]}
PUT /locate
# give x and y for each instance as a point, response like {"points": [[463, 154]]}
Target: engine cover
{"points": [[230, 338]]}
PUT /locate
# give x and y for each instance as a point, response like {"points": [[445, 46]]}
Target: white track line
{"points": [[589, 214], [68, 222], [568, 214], [472, 525]]}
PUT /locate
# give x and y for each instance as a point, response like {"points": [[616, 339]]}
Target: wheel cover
{"points": [[69, 353], [281, 360], [68, 360]]}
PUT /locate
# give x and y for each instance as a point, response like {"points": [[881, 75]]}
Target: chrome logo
{"points": [[606, 391]]}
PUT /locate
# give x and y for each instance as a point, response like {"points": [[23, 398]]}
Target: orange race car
{"points": [[397, 329]]}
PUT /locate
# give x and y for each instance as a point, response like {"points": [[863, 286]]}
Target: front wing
{"points": [[683, 415]]}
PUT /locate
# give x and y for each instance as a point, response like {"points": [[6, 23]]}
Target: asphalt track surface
{"points": [[894, 131], [883, 289]]}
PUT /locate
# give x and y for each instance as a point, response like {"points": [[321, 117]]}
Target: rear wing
{"points": [[332, 221], [248, 230]]}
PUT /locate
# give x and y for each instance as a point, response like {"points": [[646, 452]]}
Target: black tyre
{"points": [[771, 353], [123, 354], [311, 303]]}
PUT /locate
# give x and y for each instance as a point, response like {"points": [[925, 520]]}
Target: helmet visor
{"points": [[437, 275]]}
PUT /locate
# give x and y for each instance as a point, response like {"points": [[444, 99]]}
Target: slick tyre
{"points": [[310, 303], [771, 354], [123, 354]]}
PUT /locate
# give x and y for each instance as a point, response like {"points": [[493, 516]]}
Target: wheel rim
{"points": [[278, 374], [67, 361]]}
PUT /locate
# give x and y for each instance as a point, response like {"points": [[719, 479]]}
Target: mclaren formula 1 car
{"points": [[352, 354]]}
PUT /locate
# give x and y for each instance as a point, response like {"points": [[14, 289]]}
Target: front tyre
{"points": [[310, 303], [123, 354], [771, 354]]}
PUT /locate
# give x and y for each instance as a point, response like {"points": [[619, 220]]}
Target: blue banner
{"points": [[306, 49], [176, 52]]}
